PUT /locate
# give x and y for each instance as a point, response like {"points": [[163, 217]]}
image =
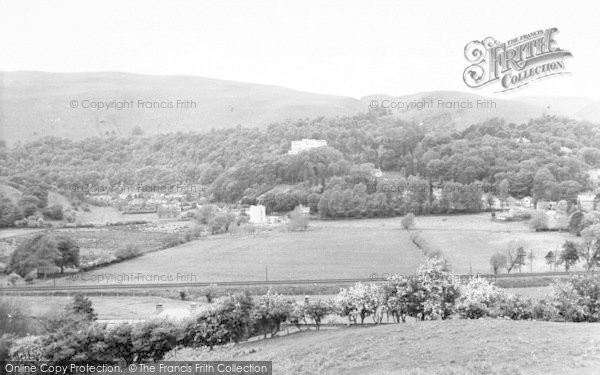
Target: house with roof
{"points": [[527, 202], [588, 201]]}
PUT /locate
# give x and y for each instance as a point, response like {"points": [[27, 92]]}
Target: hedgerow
{"points": [[433, 293]]}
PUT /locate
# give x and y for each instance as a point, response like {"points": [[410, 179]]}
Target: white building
{"points": [[587, 201], [306, 144], [258, 214]]}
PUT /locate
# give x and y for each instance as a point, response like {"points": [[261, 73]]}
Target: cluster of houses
{"points": [[166, 205], [556, 212]]}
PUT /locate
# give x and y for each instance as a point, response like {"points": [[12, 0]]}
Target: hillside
{"points": [[465, 347], [446, 114], [591, 112], [35, 104]]}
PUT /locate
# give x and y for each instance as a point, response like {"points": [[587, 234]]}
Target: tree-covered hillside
{"points": [[546, 158]]}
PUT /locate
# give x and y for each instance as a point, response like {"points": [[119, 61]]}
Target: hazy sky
{"points": [[350, 48]]}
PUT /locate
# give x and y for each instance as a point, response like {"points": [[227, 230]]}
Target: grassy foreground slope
{"points": [[434, 347]]}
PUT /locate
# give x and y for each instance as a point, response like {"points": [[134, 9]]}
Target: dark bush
{"points": [[127, 252]]}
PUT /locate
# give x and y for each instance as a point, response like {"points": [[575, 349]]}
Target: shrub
{"points": [[15, 320], [82, 306], [119, 343], [361, 300], [479, 299], [6, 341], [539, 221], [28, 348], [173, 240], [153, 339], [578, 299], [228, 320], [567, 302], [220, 222], [269, 312], [545, 309], [408, 221], [54, 212], [515, 307], [206, 330], [210, 293], [298, 220], [433, 291], [316, 311], [127, 252]]}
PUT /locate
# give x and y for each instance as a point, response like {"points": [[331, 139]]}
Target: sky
{"points": [[349, 48]]}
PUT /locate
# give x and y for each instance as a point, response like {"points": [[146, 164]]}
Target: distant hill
{"points": [[35, 104], [591, 112], [448, 109], [565, 105]]}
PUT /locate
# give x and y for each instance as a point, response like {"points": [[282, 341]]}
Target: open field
{"points": [[125, 307], [468, 241], [319, 253], [453, 347], [102, 215], [328, 250]]}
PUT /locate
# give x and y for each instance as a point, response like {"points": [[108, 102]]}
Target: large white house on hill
{"points": [[306, 144]]}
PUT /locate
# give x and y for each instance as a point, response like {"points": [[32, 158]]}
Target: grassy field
{"points": [[454, 347], [125, 307], [468, 241], [319, 253], [102, 215], [329, 249]]}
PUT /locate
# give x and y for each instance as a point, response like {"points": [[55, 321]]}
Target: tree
{"points": [[69, 252], [498, 261], [9, 213], [408, 221], [589, 249], [36, 253], [550, 259], [82, 305], [205, 213], [316, 310], [576, 223], [298, 220], [43, 252], [570, 255], [539, 221], [521, 255], [54, 212], [515, 255], [530, 257]]}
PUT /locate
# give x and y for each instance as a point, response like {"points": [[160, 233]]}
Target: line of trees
{"points": [[586, 251], [240, 165], [433, 293]]}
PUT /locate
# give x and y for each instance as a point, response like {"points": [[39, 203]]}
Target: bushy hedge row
{"points": [[575, 300], [432, 294]]}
